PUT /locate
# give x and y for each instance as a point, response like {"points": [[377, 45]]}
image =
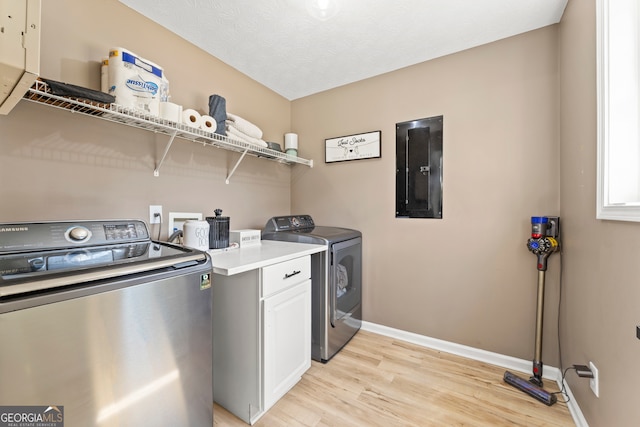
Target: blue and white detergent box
{"points": [[135, 82]]}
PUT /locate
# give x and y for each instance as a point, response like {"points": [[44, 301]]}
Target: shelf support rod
{"points": [[156, 171], [236, 166]]}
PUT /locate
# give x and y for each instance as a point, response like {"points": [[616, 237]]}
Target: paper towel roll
{"points": [[171, 111], [290, 141], [208, 123], [191, 118]]}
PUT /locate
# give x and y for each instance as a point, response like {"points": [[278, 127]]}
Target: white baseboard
{"points": [[508, 362]]}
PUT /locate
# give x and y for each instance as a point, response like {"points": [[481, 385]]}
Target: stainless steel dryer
{"points": [[336, 280]]}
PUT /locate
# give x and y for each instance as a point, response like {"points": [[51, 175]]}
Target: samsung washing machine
{"points": [[336, 280]]}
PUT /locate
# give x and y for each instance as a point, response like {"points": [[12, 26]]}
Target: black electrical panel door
{"points": [[419, 168]]}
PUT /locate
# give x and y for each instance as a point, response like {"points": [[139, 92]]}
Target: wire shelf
{"points": [[40, 93]]}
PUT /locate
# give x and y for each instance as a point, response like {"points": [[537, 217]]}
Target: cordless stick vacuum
{"points": [[542, 243]]}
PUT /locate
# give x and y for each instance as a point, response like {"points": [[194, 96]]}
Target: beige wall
{"points": [[467, 278], [602, 292], [57, 165], [510, 110]]}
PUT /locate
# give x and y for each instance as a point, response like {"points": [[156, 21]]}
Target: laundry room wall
{"points": [[467, 278], [601, 290], [57, 165]]}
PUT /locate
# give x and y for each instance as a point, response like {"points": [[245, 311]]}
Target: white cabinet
{"points": [[287, 340], [261, 335]]}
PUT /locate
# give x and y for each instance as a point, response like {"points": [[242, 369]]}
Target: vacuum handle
{"points": [[539, 225]]}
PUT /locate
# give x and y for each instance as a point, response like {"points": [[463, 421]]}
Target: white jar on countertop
{"points": [[196, 234]]}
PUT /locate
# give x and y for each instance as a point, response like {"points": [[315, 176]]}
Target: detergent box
{"points": [[245, 238]]}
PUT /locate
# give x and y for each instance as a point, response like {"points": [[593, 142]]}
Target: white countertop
{"points": [[234, 261]]}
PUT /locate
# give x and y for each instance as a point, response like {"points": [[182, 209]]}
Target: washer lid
{"points": [[46, 255], [37, 271]]}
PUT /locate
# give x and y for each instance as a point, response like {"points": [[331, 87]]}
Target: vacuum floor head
{"points": [[531, 389]]}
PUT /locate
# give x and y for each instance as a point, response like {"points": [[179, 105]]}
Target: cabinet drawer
{"points": [[282, 275]]}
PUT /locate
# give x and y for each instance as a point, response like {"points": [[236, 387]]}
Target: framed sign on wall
{"points": [[353, 147]]}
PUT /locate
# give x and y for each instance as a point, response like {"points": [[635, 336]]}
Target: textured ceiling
{"points": [[281, 45]]}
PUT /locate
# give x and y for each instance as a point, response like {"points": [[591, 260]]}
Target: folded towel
{"points": [[218, 110], [234, 133], [245, 126]]}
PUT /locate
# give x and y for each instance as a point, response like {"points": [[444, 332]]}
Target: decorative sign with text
{"points": [[353, 147]]}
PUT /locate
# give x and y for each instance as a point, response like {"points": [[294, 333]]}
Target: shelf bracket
{"points": [[156, 171], [236, 166]]}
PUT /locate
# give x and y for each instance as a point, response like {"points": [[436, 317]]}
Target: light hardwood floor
{"points": [[380, 381]]}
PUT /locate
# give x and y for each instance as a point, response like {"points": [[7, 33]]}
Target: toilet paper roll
{"points": [[208, 123], [290, 141], [104, 75], [171, 111], [191, 118]]}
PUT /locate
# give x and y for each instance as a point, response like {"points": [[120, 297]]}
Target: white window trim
{"points": [[604, 209]]}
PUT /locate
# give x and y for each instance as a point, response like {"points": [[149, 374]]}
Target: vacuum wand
{"points": [[537, 358], [542, 243]]}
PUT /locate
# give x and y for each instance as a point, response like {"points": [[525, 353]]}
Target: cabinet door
{"points": [[287, 340]]}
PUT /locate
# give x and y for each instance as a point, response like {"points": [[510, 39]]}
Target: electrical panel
{"points": [[419, 168]]}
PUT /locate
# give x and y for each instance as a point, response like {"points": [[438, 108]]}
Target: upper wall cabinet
{"points": [[19, 49]]}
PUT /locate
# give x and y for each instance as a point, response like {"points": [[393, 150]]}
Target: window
{"points": [[618, 192]]}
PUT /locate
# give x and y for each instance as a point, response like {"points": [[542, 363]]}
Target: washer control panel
{"points": [[18, 237], [289, 223]]}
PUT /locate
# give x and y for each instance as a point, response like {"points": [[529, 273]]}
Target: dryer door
{"points": [[346, 278]]}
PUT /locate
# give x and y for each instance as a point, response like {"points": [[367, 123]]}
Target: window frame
{"points": [[604, 209]]}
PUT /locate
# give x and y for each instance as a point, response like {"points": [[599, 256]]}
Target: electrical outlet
{"points": [[153, 210], [595, 381]]}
